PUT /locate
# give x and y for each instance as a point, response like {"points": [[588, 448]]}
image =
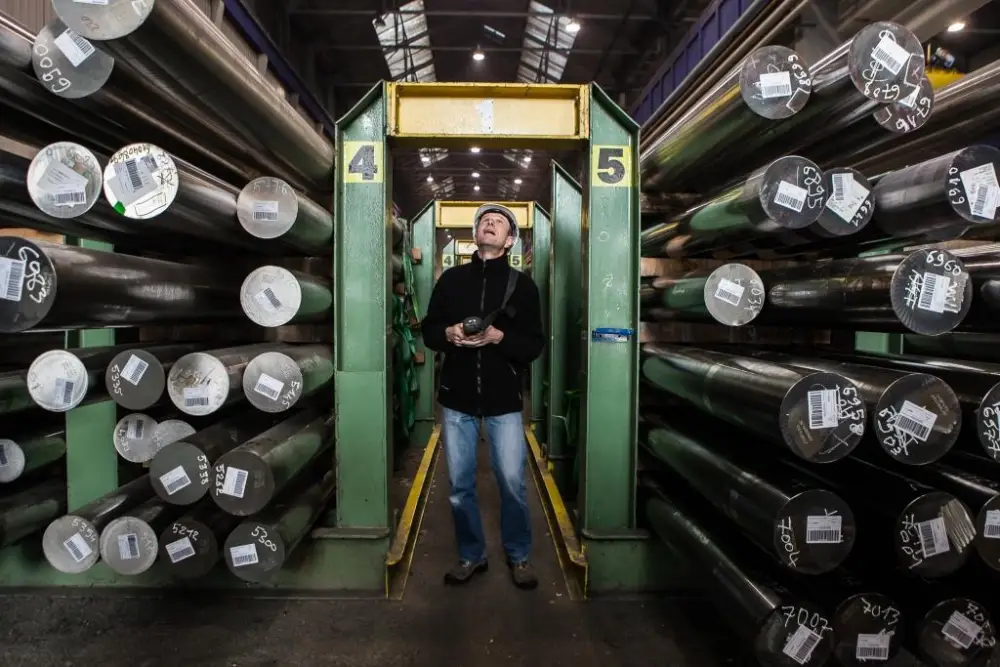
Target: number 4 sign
{"points": [[363, 162], [610, 166]]}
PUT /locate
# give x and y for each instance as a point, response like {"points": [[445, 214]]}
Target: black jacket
{"points": [[484, 381]]}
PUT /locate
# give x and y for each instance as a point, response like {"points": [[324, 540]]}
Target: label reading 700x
{"points": [[363, 162]]}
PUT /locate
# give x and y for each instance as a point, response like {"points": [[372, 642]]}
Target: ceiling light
{"points": [[476, 188], [474, 149], [572, 27], [956, 26], [475, 174], [425, 158], [527, 158], [430, 179], [517, 181], [478, 55]]}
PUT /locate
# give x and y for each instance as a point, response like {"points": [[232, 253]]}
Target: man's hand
{"points": [[491, 336], [456, 334]]}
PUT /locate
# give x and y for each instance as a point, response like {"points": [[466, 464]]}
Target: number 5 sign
{"points": [[610, 166], [363, 162]]}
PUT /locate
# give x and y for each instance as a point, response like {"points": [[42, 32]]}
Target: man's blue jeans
{"points": [[508, 453]]}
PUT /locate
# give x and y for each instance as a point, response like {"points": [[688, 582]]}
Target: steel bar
{"points": [[248, 477], [135, 378], [926, 292], [181, 471], [269, 208], [820, 417], [927, 531], [732, 294], [956, 631], [67, 64], [200, 383], [30, 511], [66, 287], [806, 528], [71, 542], [277, 381], [129, 542], [259, 547], [785, 194], [134, 437], [272, 296], [14, 394], [779, 625], [28, 452], [983, 266], [181, 40], [190, 546], [916, 417], [60, 380], [771, 84]]}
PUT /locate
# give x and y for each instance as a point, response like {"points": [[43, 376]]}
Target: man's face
{"points": [[494, 231]]}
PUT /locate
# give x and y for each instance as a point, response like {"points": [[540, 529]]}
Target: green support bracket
{"points": [[565, 305], [423, 234], [541, 242], [879, 343]]}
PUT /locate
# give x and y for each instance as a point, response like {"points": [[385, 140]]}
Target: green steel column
{"points": [[608, 411], [362, 318], [870, 341], [91, 461], [423, 278], [564, 320], [541, 240]]}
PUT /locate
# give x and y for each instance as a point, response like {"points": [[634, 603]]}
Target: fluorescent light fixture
{"points": [[475, 174], [572, 27], [430, 179], [478, 55], [957, 26], [474, 149], [425, 158], [476, 188], [517, 181]]}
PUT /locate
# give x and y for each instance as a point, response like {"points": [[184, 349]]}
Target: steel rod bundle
{"points": [[269, 208], [135, 378], [190, 546], [259, 547], [277, 381], [181, 471], [820, 417], [179, 40], [202, 382], [14, 394], [249, 477], [771, 84], [24, 454], [806, 528], [272, 296], [60, 380], [732, 294], [71, 542], [129, 542], [65, 287], [916, 417], [30, 511]]}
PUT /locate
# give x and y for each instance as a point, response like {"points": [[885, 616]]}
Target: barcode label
{"points": [[790, 196], [128, 546], [268, 299], [872, 647], [801, 644], [729, 292], [910, 100], [243, 555], [132, 181], [983, 190], [890, 55], [823, 409], [915, 421], [149, 162], [933, 292], [985, 203], [235, 483], [266, 211], [74, 47], [11, 278], [269, 386], [824, 529], [69, 198], [3, 455], [134, 177], [961, 630], [78, 548], [179, 550], [134, 369], [135, 429], [175, 480], [933, 537], [775, 84], [839, 185], [195, 396], [991, 527], [63, 393]]}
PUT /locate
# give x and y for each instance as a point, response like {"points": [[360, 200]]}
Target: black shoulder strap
{"points": [[504, 308]]}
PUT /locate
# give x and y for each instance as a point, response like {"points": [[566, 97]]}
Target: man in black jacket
{"points": [[481, 378]]}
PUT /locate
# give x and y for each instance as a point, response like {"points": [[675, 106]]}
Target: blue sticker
{"points": [[610, 335]]}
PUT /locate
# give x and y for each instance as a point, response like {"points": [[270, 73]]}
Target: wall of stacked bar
{"points": [[166, 316], [820, 381]]}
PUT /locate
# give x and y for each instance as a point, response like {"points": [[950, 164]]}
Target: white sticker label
{"points": [[268, 386], [235, 483], [961, 630], [981, 186], [848, 197], [128, 546], [134, 369], [11, 279], [136, 429], [74, 47], [933, 292], [791, 196], [66, 186], [991, 527], [823, 408], [175, 480], [729, 292], [243, 555], [266, 211], [890, 55], [824, 529], [933, 537], [910, 100], [195, 396], [915, 421], [62, 392], [267, 300], [78, 547], [775, 84], [102, 3], [133, 181], [801, 644], [180, 550], [872, 647]]}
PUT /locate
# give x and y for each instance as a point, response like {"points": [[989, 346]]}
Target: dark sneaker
{"points": [[464, 571], [523, 575]]}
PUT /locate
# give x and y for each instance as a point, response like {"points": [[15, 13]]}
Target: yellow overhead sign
{"points": [[459, 214]]}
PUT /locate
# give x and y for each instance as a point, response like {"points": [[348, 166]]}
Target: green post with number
{"points": [[423, 238], [541, 240]]}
